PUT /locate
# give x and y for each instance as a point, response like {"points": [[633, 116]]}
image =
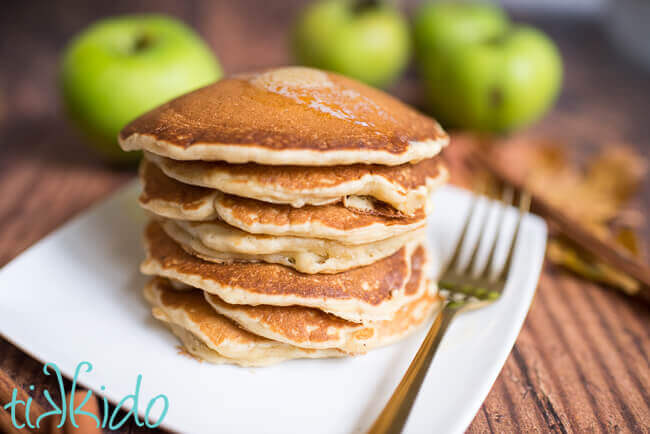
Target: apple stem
{"points": [[495, 97], [499, 39], [142, 42]]}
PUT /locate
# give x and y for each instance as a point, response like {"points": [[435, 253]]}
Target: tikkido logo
{"points": [[67, 410]]}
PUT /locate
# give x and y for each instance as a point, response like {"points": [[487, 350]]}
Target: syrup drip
{"points": [[314, 89]]}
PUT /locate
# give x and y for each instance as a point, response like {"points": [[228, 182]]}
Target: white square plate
{"points": [[76, 296]]}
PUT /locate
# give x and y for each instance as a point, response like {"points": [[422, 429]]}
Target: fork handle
{"points": [[394, 415]]}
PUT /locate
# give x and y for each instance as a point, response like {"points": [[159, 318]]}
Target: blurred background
{"points": [[582, 98], [600, 78], [571, 114]]}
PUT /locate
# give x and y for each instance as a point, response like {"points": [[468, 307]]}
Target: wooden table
{"points": [[582, 360]]}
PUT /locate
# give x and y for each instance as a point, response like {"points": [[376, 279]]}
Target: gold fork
{"points": [[463, 291]]}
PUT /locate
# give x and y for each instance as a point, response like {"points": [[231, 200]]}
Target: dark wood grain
{"points": [[582, 360]]}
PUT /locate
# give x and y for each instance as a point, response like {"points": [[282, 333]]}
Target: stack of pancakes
{"points": [[288, 216]]}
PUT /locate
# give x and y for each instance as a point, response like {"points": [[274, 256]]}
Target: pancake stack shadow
{"points": [[288, 211]]}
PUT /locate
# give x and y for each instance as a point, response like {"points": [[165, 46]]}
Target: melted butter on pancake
{"points": [[314, 89], [287, 116]]}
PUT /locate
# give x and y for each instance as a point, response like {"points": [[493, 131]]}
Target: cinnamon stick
{"points": [[86, 424], [7, 387], [6, 425], [604, 250]]}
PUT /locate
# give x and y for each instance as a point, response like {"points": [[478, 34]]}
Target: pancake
{"points": [[167, 197], [405, 187], [221, 243], [314, 329], [212, 337], [287, 116], [357, 224], [332, 222], [369, 293]]}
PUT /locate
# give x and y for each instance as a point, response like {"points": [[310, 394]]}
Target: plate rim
{"points": [[462, 422]]}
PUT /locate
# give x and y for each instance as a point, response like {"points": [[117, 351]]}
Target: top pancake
{"points": [[287, 116]]}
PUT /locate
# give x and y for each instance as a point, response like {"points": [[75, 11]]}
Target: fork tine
{"points": [[472, 260], [524, 207], [453, 262], [507, 196]]}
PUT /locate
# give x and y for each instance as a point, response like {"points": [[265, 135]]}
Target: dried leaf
{"points": [[629, 240], [596, 197], [610, 181], [616, 172]]}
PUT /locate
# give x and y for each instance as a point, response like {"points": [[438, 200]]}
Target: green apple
{"points": [[490, 76], [366, 40], [121, 67], [440, 26]]}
